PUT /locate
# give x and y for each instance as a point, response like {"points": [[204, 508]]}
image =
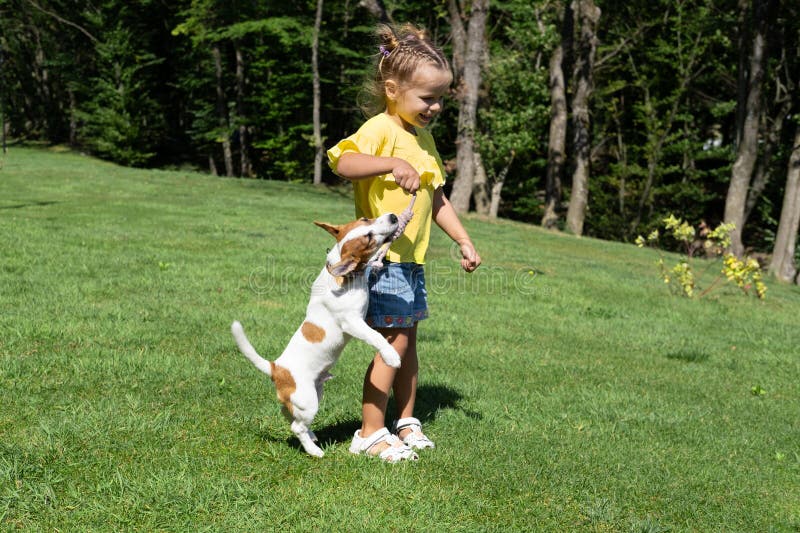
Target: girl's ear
{"points": [[391, 88]]}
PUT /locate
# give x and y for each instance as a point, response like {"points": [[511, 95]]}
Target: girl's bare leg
{"points": [[380, 378]]}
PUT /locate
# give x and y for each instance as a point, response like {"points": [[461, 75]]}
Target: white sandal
{"points": [[395, 452], [416, 439]]}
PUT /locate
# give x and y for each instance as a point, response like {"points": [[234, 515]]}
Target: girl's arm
{"points": [[356, 166], [446, 218]]}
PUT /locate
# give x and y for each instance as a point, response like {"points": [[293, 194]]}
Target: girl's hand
{"points": [[470, 258], [405, 176]]}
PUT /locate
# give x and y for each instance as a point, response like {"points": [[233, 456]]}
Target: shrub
{"points": [[681, 278]]}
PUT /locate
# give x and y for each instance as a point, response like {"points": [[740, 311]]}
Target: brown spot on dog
{"points": [[284, 385], [312, 332], [360, 248]]}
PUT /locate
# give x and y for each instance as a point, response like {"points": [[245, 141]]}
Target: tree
{"points": [[783, 264], [509, 126], [557, 137], [747, 151], [47, 55], [377, 10], [662, 117], [473, 43], [120, 119], [682, 55], [279, 93], [588, 15], [202, 24], [780, 88], [245, 165], [319, 148]]}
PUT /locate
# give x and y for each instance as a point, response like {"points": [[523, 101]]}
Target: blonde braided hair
{"points": [[401, 52]]}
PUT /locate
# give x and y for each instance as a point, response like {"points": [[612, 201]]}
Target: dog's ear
{"points": [[336, 231], [354, 253], [343, 267]]}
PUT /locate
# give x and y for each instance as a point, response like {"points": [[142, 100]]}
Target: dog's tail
{"points": [[248, 351]]}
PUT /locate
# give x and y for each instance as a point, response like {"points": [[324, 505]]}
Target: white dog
{"points": [[335, 313]]}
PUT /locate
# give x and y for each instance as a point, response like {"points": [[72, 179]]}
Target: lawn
{"points": [[566, 389]]}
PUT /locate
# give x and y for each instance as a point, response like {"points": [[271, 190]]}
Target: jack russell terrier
{"points": [[335, 313]]}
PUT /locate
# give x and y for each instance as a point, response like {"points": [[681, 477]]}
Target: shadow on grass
{"points": [[29, 204], [431, 400], [689, 356]]}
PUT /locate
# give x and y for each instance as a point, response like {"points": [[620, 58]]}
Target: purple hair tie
{"points": [[384, 51]]}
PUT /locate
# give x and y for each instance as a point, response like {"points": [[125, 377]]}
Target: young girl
{"points": [[389, 159]]}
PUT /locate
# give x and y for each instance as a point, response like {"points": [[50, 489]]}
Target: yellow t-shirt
{"points": [[381, 136]]}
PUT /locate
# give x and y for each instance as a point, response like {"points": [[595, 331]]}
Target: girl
{"points": [[391, 157]]}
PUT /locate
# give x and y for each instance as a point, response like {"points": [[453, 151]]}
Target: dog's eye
{"points": [[363, 219]]}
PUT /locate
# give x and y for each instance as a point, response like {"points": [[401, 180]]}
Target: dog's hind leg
{"points": [[305, 405], [301, 430], [303, 434], [319, 384]]}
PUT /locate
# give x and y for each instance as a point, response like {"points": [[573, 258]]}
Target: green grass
{"points": [[564, 387]]}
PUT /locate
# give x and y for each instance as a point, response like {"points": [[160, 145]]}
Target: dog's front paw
{"points": [[390, 357]]}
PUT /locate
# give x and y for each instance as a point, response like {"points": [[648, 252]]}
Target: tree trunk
{"points": [[481, 187], [468, 107], [622, 153], [783, 265], [588, 14], [319, 148], [41, 75], [772, 140], [459, 39], [73, 118], [222, 112], [497, 186], [377, 10], [743, 40], [244, 142], [557, 140], [747, 151], [494, 207], [3, 123]]}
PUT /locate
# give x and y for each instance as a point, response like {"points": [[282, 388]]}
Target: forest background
{"points": [[596, 117]]}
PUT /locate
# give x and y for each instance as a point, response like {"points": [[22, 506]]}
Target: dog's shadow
{"points": [[432, 399]]}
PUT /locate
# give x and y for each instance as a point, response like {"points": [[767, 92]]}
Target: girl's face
{"points": [[415, 103]]}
